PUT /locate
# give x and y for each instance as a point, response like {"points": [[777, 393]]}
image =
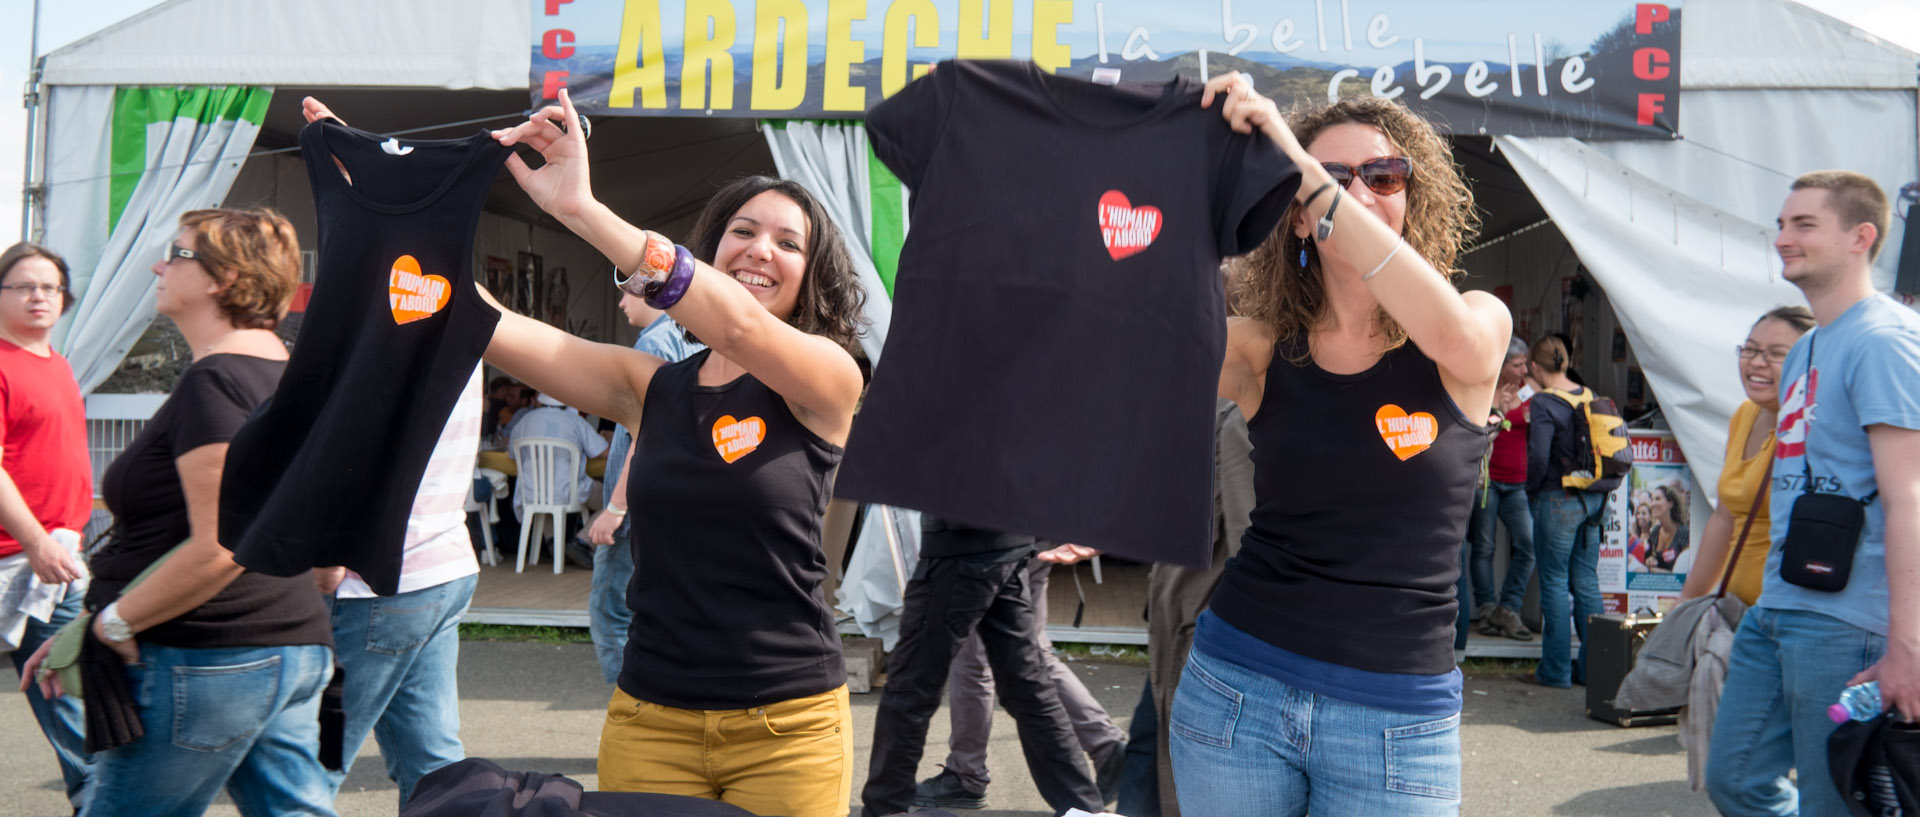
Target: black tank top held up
{"points": [[326, 475]]}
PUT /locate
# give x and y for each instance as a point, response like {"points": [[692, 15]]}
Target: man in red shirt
{"points": [[46, 488]]}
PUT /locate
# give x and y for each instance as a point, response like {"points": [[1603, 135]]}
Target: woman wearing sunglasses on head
{"points": [[1366, 378]]}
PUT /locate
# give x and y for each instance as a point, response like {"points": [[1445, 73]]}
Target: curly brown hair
{"points": [[255, 255], [832, 302], [1440, 219]]}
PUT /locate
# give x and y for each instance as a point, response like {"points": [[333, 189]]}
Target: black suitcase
{"points": [[1613, 640]]}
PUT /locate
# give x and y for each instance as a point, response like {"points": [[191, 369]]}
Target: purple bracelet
{"points": [[664, 296]]}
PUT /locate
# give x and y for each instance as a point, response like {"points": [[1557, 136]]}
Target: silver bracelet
{"points": [[1398, 243]]}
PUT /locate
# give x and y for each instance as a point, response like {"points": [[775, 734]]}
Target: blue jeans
{"points": [[1507, 501], [1787, 667], [400, 654], [608, 616], [247, 718], [1246, 744], [62, 720], [1567, 531]]}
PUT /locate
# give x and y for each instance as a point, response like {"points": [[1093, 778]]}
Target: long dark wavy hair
{"points": [[1440, 219], [831, 300]]}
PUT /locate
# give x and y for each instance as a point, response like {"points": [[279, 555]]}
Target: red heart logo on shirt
{"points": [[413, 296], [1126, 229]]}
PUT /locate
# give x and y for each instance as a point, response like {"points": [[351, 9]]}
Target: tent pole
{"points": [[29, 193]]}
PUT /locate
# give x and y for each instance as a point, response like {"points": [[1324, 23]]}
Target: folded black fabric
{"points": [[113, 719], [333, 721], [477, 787], [1876, 764]]}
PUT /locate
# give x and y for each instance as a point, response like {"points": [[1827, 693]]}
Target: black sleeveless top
{"points": [[326, 474], [726, 493], [1362, 484]]}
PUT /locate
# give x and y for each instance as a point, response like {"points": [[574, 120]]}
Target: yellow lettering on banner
{"points": [[925, 20], [1048, 17], [702, 50], [996, 43], [779, 85], [640, 64], [843, 52]]}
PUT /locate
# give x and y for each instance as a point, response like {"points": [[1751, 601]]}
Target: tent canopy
{"points": [[1774, 89]]}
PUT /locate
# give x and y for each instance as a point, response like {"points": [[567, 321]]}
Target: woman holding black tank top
{"points": [[1365, 377], [732, 686]]}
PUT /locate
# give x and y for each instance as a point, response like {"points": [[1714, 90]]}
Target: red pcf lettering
{"points": [[1648, 63], [555, 80], [553, 7], [1651, 104], [1644, 16], [557, 44]]}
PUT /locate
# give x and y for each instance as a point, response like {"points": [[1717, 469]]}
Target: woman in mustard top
{"points": [[1749, 447]]}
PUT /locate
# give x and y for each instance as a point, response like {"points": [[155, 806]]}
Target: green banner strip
{"points": [[887, 199], [137, 109]]}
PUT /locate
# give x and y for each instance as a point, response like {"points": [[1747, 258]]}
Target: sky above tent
{"points": [[63, 22]]}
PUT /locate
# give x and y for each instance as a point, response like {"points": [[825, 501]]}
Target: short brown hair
{"points": [[25, 250], [1550, 354], [1856, 199], [254, 255]]}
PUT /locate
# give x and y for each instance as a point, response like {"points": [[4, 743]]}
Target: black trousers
{"points": [[947, 599]]}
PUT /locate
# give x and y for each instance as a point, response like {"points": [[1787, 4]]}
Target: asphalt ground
{"points": [[1529, 751]]}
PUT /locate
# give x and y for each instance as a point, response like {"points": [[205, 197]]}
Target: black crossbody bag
{"points": [[1823, 530]]}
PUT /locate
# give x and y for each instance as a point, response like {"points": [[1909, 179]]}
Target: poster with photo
{"points": [[499, 278], [556, 296], [1647, 549], [528, 285]]}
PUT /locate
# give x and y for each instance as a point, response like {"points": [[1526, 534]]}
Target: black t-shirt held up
{"points": [[142, 489], [327, 474], [1058, 319]]}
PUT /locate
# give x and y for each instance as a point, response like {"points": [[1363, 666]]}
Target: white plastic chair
{"points": [[489, 514], [549, 479]]}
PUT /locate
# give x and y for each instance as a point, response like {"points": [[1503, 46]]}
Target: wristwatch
{"points": [[112, 627]]}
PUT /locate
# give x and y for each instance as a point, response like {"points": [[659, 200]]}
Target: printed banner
{"points": [[1646, 550], [1599, 69]]}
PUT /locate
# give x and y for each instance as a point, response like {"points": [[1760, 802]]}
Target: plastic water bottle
{"points": [[1859, 702]]}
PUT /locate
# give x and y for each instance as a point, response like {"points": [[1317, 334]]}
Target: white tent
{"points": [[1677, 234]]}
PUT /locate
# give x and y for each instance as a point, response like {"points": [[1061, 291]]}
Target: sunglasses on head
{"points": [[1384, 176]]}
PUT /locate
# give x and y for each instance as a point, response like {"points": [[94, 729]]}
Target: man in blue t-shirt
{"points": [[608, 615], [1849, 426]]}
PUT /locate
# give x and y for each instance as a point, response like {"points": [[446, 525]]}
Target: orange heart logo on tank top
{"points": [[413, 296], [1126, 229], [1407, 434], [737, 438]]}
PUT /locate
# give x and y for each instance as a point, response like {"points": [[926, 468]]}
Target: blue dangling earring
{"points": [[1303, 256]]}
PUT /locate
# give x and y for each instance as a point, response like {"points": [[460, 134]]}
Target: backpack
{"points": [[1605, 453]]}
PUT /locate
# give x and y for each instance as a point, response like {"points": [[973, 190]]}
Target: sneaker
{"points": [[1106, 773], [1481, 610], [945, 790], [1503, 621]]}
